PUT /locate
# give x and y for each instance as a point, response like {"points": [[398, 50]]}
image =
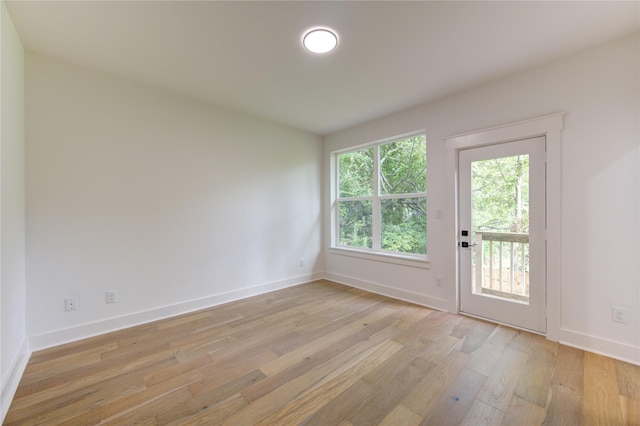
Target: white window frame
{"points": [[376, 252]]}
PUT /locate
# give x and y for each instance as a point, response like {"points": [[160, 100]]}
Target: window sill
{"points": [[397, 259]]}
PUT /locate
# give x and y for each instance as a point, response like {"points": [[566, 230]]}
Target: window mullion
{"points": [[375, 208], [397, 196], [364, 198]]}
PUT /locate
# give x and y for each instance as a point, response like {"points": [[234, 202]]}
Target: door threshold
{"points": [[466, 314]]}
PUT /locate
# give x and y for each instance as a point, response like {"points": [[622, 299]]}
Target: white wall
{"points": [[599, 90], [13, 341], [174, 203]]}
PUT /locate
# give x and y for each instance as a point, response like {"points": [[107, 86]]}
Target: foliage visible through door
{"points": [[500, 224]]}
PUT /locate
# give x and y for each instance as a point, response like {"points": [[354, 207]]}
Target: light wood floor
{"points": [[324, 354]]}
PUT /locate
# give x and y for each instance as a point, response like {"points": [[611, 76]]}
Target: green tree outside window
{"points": [[398, 171]]}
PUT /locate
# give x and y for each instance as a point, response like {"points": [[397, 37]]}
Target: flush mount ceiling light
{"points": [[320, 40]]}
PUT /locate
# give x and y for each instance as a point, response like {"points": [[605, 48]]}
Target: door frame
{"points": [[549, 126]]}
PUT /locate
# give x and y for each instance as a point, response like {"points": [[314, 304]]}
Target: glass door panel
{"points": [[500, 227]]}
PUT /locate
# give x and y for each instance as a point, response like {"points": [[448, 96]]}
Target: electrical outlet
{"points": [[619, 314], [439, 282], [112, 296], [301, 262], [70, 304]]}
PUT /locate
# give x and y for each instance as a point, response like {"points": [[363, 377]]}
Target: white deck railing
{"points": [[504, 261]]}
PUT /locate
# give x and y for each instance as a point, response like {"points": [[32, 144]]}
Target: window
{"points": [[381, 197]]}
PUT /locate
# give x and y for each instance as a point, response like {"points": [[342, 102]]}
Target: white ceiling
{"points": [[248, 55]]}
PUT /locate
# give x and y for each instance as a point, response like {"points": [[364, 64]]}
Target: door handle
{"points": [[466, 244]]}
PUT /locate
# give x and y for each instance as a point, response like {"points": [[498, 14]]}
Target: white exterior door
{"points": [[502, 247]]}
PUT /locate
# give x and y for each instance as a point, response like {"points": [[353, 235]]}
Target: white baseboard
{"points": [[58, 337], [395, 293], [598, 345], [11, 380]]}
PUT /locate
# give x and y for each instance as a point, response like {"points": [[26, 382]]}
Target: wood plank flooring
{"points": [[323, 354]]}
